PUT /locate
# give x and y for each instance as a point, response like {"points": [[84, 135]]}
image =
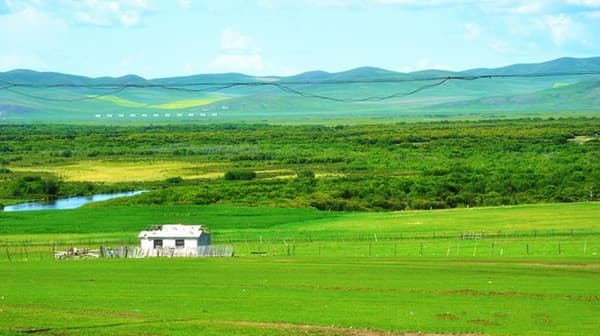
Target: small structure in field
{"points": [[174, 240]]}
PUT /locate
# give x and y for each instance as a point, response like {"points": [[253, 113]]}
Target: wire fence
{"points": [[463, 246], [170, 252]]}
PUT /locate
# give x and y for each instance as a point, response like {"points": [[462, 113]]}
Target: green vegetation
{"points": [[533, 271], [493, 98], [240, 175], [297, 296], [360, 167], [173, 105], [311, 212], [575, 225]]}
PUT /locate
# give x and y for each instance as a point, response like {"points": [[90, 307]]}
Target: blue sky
{"points": [[160, 38]]}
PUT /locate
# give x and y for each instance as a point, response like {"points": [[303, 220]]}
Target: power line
{"points": [[285, 86], [67, 100]]}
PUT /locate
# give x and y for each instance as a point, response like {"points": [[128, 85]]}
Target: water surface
{"points": [[68, 203]]}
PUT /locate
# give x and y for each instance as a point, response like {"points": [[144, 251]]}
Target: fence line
{"points": [[170, 252]]}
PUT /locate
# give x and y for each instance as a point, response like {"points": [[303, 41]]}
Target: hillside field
{"points": [[230, 97]]}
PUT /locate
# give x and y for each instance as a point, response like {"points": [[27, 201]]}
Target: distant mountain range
{"points": [[484, 96]]}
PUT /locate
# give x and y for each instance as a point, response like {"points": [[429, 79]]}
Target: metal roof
{"points": [[173, 231]]}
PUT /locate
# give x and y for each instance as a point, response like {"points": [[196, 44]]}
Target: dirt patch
{"points": [[472, 292], [543, 318], [447, 317], [483, 322], [329, 330], [465, 292], [584, 266]]}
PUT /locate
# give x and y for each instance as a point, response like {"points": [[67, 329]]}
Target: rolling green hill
{"points": [[106, 100]]}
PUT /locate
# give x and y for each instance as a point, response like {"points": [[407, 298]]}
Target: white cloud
{"points": [[185, 3], [239, 53], [250, 63], [593, 15], [472, 31], [127, 13], [403, 3], [561, 27], [21, 61], [129, 19], [234, 41], [531, 7], [34, 29], [585, 3]]}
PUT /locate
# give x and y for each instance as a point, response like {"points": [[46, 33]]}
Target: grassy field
{"points": [[534, 272], [172, 105], [553, 230], [298, 296], [127, 171]]}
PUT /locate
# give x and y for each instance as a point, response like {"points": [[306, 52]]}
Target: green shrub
{"points": [[240, 175], [174, 180]]}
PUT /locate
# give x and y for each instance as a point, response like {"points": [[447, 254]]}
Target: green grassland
{"points": [[554, 96], [519, 231], [171, 105], [349, 273], [298, 296], [478, 260], [359, 167]]}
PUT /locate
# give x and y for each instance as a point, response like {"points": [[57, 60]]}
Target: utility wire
{"points": [[285, 86], [68, 100]]}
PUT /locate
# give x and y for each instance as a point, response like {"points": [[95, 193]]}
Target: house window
{"points": [[158, 243], [179, 243]]}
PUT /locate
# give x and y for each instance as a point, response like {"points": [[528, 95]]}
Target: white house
{"points": [[174, 239]]}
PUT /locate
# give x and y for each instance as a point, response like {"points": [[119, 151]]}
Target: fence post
{"points": [[493, 243], [8, 253], [527, 248], [559, 251], [369, 249], [421, 251]]}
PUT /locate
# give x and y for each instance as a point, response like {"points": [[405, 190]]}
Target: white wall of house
{"points": [[169, 242]]}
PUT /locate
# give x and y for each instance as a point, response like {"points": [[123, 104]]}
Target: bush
{"points": [[306, 174], [174, 180], [240, 175]]}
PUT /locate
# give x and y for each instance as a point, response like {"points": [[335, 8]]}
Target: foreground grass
{"points": [[234, 296], [534, 272]]}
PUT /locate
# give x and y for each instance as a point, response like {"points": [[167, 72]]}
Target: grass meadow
{"points": [[298, 296], [534, 271]]}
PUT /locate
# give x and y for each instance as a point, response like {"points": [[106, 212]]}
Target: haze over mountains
{"points": [[488, 97]]}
